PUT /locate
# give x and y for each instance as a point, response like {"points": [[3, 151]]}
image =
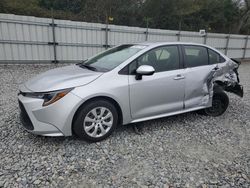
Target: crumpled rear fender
{"points": [[226, 77], [236, 88]]}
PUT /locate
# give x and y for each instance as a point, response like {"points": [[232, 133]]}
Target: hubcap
{"points": [[98, 122]]}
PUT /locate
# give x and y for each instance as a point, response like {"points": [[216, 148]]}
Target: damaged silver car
{"points": [[128, 84]]}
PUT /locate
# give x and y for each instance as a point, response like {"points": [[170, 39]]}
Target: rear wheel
{"points": [[95, 121], [219, 104]]}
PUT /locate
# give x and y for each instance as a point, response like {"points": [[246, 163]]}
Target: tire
{"points": [[95, 121], [219, 104]]}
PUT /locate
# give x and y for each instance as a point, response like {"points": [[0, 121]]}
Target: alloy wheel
{"points": [[98, 122]]}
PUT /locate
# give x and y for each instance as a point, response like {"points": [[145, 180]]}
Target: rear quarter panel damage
{"points": [[226, 76]]}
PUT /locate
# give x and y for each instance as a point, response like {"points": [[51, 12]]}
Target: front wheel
{"points": [[95, 121], [219, 104]]}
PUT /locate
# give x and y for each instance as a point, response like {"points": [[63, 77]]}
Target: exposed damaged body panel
{"points": [[231, 80], [227, 77], [224, 76]]}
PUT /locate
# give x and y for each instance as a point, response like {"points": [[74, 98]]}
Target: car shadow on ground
{"points": [[133, 129]]}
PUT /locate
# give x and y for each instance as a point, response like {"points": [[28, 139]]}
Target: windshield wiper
{"points": [[88, 67], [81, 62]]}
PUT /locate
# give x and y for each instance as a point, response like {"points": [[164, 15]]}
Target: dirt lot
{"points": [[187, 150]]}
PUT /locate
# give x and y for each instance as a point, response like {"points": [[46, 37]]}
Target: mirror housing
{"points": [[144, 70]]}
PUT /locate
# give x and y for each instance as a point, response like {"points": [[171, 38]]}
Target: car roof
{"points": [[156, 44], [167, 43]]}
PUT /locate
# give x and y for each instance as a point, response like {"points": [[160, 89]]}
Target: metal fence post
{"points": [[106, 36], [106, 30], [227, 44], [146, 33], [205, 39], [178, 35], [245, 47], [54, 43]]}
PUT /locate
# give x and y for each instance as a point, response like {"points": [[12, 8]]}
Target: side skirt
{"points": [[168, 114]]}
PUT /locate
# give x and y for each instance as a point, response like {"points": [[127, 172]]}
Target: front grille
{"points": [[24, 117]]}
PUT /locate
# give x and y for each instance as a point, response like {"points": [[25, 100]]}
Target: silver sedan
{"points": [[127, 84]]}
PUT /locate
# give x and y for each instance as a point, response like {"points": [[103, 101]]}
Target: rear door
{"points": [[196, 74]]}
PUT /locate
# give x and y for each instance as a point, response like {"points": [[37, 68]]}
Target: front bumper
{"points": [[53, 120], [24, 117]]}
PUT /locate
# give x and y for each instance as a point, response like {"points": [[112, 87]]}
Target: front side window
{"points": [[195, 56], [162, 59], [112, 58]]}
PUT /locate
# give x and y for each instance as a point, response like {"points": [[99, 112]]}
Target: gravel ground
{"points": [[188, 150]]}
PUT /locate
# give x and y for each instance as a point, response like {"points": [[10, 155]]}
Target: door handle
{"points": [[179, 77]]}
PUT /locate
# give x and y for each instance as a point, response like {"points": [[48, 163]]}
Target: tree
{"points": [[169, 13], [242, 23], [2, 6], [213, 15]]}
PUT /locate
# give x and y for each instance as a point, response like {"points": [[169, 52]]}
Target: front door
{"points": [[161, 93]]}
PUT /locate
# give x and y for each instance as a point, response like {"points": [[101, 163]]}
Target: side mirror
{"points": [[144, 70]]}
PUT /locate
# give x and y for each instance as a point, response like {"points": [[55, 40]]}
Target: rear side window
{"points": [[214, 57], [195, 56]]}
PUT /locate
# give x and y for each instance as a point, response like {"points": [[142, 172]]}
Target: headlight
{"points": [[49, 97]]}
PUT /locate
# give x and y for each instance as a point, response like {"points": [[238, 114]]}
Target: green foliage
{"points": [[213, 15]]}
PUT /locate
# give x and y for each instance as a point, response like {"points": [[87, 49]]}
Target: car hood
{"points": [[61, 78]]}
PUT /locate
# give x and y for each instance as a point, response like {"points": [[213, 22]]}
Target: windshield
{"points": [[112, 58]]}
